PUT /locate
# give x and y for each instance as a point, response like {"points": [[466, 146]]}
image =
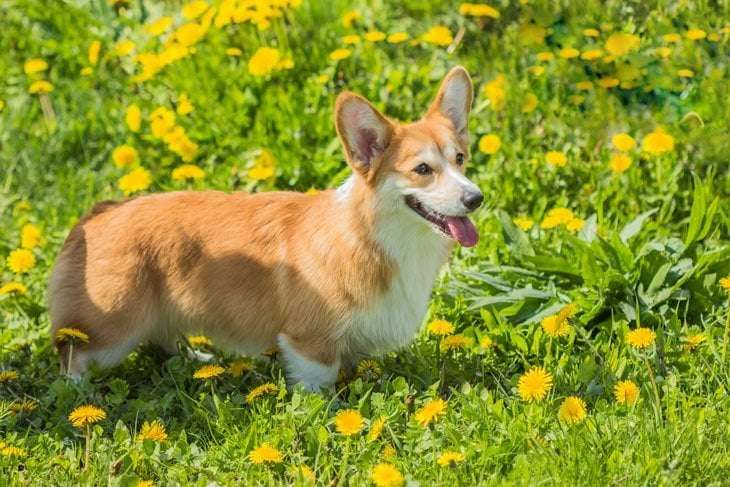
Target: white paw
{"points": [[311, 375]]}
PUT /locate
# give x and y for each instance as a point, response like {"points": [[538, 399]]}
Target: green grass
{"points": [[651, 253]]}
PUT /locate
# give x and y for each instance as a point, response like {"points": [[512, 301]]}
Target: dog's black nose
{"points": [[472, 199]]}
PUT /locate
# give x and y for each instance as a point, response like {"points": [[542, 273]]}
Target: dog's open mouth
{"points": [[460, 228]]}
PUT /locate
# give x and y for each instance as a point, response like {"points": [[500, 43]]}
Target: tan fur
{"points": [[241, 268]]}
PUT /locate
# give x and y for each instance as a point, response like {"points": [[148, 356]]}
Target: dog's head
{"points": [[417, 167]]}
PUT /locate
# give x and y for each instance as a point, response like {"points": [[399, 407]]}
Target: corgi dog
{"points": [[327, 278]]}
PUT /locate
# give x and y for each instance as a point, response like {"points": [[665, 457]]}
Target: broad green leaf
{"points": [[634, 226], [514, 236]]}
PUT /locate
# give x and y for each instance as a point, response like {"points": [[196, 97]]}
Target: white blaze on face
{"points": [[445, 193]]}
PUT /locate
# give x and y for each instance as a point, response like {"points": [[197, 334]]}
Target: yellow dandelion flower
{"points": [[264, 166], [369, 369], [584, 85], [256, 392], [568, 311], [376, 427], [535, 384], [556, 158], [591, 32], [450, 458], [438, 35], [692, 342], [489, 144], [21, 260], [536, 70], [523, 222], [568, 53], [440, 328], [374, 36], [13, 288], [657, 142], [430, 412], [12, 451], [575, 224], [264, 61], [495, 91], [572, 410], [608, 82], [40, 86], [154, 431], [71, 335], [93, 54], [265, 453], [641, 337], [672, 37], [725, 283], [184, 106], [208, 372], [35, 65], [486, 343], [626, 392], [545, 56], [623, 142], [136, 180], [455, 342], [340, 54], [238, 367], [124, 155], [556, 217], [187, 171], [194, 9], [24, 406], [124, 47], [388, 452], [233, 51], [555, 327], [351, 39], [304, 472], [397, 37], [386, 475], [620, 44], [199, 341], [478, 10], [86, 415], [685, 73], [619, 162], [591, 54], [695, 34], [159, 26], [349, 422], [8, 375], [530, 103], [133, 117], [663, 52], [145, 483], [30, 236], [350, 17]]}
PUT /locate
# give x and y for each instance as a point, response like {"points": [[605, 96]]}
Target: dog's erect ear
{"points": [[364, 131], [454, 100]]}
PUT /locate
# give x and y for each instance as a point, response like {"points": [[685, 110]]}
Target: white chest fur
{"points": [[394, 318]]}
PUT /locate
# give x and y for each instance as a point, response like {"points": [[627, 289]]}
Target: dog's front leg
{"points": [[313, 364]]}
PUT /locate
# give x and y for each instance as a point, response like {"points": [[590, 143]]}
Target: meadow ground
{"points": [[584, 341]]}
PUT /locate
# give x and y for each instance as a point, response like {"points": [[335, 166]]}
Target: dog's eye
{"points": [[423, 169], [459, 159]]}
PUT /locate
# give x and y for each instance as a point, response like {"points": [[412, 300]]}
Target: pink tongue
{"points": [[463, 230]]}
